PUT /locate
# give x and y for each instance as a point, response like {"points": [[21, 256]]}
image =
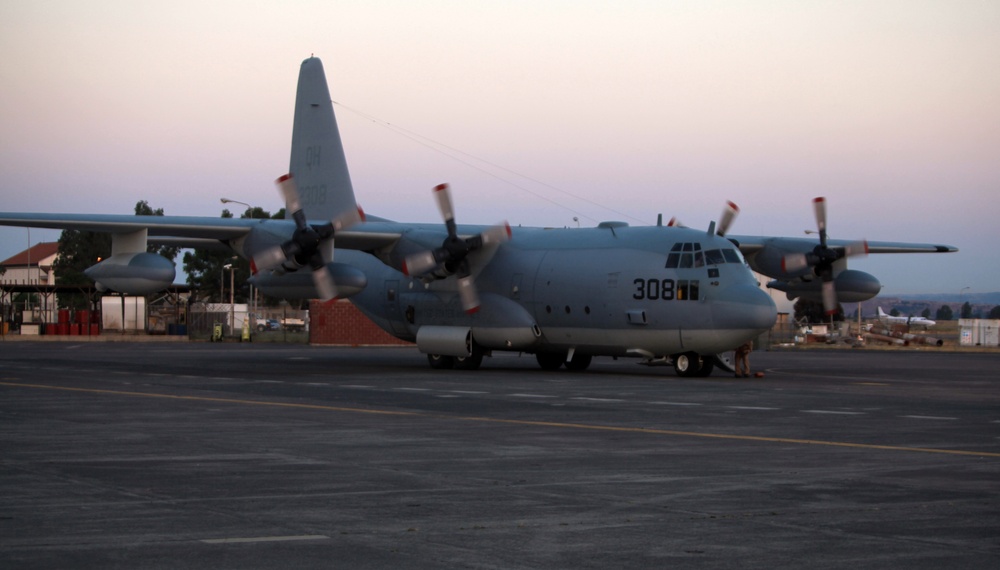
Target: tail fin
{"points": [[881, 313], [318, 161]]}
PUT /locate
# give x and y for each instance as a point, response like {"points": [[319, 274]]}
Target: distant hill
{"points": [[992, 299], [914, 305]]}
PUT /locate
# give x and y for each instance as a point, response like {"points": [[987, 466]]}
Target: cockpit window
{"points": [[732, 256], [714, 257], [686, 255]]}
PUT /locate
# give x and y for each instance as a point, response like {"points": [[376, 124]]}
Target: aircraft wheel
{"points": [[579, 362], [550, 360], [687, 364], [440, 362], [471, 362]]}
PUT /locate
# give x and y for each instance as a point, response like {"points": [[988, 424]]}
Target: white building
{"points": [[32, 266]]}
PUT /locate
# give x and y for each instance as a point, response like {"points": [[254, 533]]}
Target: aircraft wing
{"points": [[176, 226], [801, 267], [750, 245], [196, 231]]}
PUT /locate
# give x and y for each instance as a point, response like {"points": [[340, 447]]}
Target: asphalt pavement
{"points": [[215, 456]]}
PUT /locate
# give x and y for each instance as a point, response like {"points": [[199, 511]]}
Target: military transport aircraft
{"points": [[664, 294]]}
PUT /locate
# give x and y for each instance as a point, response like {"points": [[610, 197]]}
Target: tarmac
{"points": [[198, 455]]}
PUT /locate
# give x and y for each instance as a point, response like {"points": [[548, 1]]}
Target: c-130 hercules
{"points": [[658, 293]]}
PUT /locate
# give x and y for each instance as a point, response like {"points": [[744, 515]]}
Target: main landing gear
{"points": [[686, 364], [470, 362]]}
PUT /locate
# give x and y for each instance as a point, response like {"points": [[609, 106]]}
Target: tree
{"points": [[894, 312], [966, 310], [813, 312], [79, 250], [944, 313], [994, 313], [207, 277], [926, 313], [142, 208]]}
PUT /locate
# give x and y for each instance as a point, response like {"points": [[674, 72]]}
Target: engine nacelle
{"points": [[133, 273], [448, 341], [349, 280], [852, 287]]}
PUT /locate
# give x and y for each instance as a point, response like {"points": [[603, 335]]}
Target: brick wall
{"points": [[341, 323]]}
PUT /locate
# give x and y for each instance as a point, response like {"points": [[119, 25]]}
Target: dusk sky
{"points": [[536, 112]]}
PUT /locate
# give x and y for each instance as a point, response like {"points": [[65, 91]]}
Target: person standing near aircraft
{"points": [[743, 359]]}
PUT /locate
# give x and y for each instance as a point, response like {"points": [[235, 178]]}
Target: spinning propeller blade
{"points": [[454, 250], [728, 215], [307, 243], [822, 258]]}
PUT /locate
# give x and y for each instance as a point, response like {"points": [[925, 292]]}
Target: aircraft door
{"points": [[391, 299]]}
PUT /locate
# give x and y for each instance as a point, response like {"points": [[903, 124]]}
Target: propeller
{"points": [[822, 257], [310, 245], [729, 214], [454, 251]]}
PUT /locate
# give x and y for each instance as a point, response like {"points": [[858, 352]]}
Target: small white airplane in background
{"points": [[911, 321]]}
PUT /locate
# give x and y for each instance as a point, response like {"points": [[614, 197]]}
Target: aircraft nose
{"points": [[744, 307]]}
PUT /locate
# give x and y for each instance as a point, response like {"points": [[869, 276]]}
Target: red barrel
{"points": [[64, 316], [95, 329], [74, 329], [83, 318], [63, 327]]}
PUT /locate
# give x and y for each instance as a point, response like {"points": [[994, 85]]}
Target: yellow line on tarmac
{"points": [[535, 423]]}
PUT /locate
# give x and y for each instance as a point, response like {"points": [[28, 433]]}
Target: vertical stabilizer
{"points": [[318, 161]]}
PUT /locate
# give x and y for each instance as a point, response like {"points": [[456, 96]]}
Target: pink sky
{"points": [[887, 108]]}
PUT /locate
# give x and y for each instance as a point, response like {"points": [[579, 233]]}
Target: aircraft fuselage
{"points": [[599, 291]]}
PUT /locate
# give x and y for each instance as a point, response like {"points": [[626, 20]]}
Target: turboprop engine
{"points": [[852, 286], [133, 273]]}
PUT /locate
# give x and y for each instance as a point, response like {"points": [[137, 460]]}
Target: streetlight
{"points": [[232, 291], [227, 201]]}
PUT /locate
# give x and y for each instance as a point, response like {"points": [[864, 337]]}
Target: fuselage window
{"points": [[732, 256]]}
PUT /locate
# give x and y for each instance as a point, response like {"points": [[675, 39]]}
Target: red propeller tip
{"points": [[284, 178], [472, 311], [819, 199], [733, 206], [406, 270], [441, 187], [361, 213]]}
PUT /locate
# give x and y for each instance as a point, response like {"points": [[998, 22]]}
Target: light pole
{"points": [[232, 291], [227, 201]]}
